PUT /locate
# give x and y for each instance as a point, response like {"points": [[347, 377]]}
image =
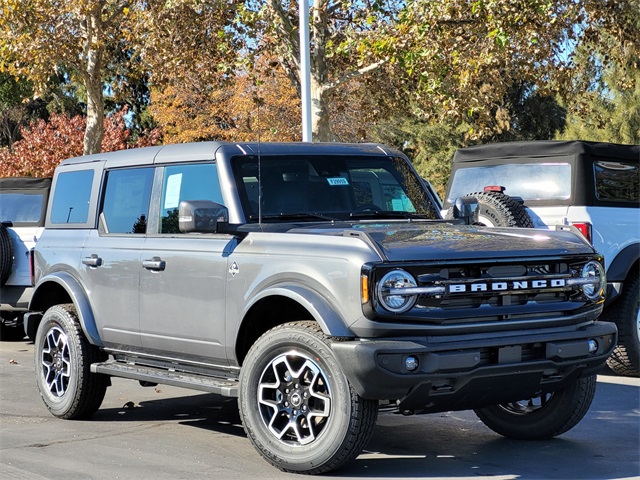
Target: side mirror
{"points": [[467, 209], [202, 216]]}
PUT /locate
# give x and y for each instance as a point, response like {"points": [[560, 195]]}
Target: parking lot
{"points": [[170, 433]]}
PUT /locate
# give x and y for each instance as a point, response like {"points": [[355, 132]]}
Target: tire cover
{"points": [[500, 210]]}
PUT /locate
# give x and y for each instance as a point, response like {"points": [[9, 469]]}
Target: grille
{"points": [[481, 293]]}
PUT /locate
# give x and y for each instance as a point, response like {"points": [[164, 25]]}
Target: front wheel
{"points": [[542, 417], [63, 357], [297, 406], [625, 312]]}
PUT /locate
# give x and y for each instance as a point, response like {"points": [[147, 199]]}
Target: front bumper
{"points": [[474, 371]]}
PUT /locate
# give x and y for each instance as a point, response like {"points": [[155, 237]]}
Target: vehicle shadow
{"points": [[450, 445], [207, 411]]}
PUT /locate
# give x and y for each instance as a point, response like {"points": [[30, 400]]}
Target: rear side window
{"points": [[125, 208], [617, 181], [186, 182], [71, 198]]}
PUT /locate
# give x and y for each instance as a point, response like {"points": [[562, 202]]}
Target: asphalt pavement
{"points": [[170, 433]]}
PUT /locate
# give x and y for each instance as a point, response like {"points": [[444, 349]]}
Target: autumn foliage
{"points": [[45, 144]]}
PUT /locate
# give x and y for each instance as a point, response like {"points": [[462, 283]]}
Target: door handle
{"points": [[92, 261], [155, 263]]}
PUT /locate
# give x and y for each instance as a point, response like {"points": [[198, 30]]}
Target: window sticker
{"points": [[338, 181], [172, 193]]}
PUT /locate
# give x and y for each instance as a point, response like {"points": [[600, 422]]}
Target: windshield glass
{"points": [[330, 187], [531, 181]]}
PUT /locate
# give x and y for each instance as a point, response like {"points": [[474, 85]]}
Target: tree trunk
{"points": [[95, 115], [320, 122], [93, 81]]}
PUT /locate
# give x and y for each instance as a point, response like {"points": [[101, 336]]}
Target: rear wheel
{"points": [[6, 255], [63, 357], [500, 210], [11, 328], [541, 417], [296, 405], [625, 313]]}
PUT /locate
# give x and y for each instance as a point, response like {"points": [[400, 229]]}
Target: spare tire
{"points": [[6, 255], [500, 210]]}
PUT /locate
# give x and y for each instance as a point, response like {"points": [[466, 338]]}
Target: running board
{"points": [[220, 386]]}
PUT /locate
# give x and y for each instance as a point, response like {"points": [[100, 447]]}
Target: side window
{"points": [[617, 181], [71, 197], [186, 182], [125, 207]]}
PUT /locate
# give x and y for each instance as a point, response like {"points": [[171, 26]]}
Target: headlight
{"points": [[594, 272], [388, 293]]}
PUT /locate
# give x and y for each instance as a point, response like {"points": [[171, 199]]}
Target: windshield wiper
{"points": [[294, 216], [386, 214]]}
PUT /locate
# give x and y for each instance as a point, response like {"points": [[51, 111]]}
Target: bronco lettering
{"points": [[506, 286]]}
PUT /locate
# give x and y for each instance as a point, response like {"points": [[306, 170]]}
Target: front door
{"points": [[183, 276]]}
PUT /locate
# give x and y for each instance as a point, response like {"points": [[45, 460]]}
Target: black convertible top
{"points": [[16, 184], [546, 148]]}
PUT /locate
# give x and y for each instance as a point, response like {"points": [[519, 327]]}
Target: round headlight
{"points": [[593, 271], [396, 302]]}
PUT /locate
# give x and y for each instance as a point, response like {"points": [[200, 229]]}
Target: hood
{"points": [[442, 241]]}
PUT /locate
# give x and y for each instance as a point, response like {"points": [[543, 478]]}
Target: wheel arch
{"points": [[283, 304], [623, 263], [59, 288]]}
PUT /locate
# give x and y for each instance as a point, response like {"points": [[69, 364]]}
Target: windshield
{"points": [[530, 181], [330, 188]]}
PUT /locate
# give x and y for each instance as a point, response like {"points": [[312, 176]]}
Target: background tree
{"points": [[45, 144], [37, 37]]}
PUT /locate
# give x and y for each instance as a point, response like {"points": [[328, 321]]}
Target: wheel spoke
{"points": [[294, 398], [56, 361]]}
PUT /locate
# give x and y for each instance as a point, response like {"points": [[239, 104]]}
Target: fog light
{"points": [[593, 346], [411, 363]]}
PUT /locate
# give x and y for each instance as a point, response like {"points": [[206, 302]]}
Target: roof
{"points": [[208, 150], [547, 148]]}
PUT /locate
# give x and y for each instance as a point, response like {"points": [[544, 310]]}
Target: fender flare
{"points": [[321, 310], [623, 262], [78, 298]]}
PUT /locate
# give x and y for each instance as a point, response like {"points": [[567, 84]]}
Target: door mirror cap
{"points": [[467, 209], [202, 216]]}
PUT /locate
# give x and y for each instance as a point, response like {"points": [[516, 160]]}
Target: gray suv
{"points": [[313, 282]]}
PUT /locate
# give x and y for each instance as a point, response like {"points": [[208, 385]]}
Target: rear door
{"points": [[110, 263], [183, 276]]}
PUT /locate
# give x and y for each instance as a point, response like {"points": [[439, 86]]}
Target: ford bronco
{"points": [[314, 282]]}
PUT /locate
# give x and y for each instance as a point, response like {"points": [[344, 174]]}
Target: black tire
{"points": [[500, 210], [291, 373], [625, 313], [62, 361], [542, 417], [6, 255], [11, 327]]}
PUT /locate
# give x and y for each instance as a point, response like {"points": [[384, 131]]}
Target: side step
{"points": [[220, 386]]}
